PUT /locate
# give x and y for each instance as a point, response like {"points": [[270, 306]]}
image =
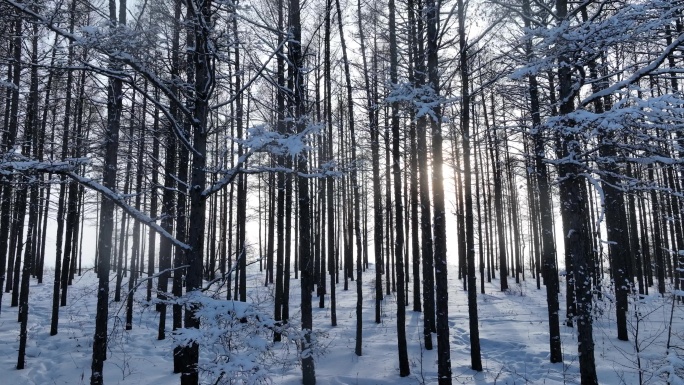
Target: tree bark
{"points": [[354, 185], [548, 252], [475, 356], [114, 107], [439, 224], [404, 369], [573, 209], [304, 201]]}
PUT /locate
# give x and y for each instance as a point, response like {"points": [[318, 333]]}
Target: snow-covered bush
{"points": [[673, 370], [235, 340]]}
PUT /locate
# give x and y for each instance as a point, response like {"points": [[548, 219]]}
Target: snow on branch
{"points": [[120, 201], [24, 165], [68, 168], [7, 85], [637, 75], [262, 138], [423, 100], [584, 42]]}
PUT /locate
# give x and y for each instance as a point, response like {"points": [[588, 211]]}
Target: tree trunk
{"points": [[354, 185], [475, 356], [573, 209], [280, 207], [404, 369], [375, 165], [30, 139], [135, 244], [429, 325], [329, 181], [304, 201], [152, 240], [439, 224], [548, 252], [114, 107], [63, 186]]}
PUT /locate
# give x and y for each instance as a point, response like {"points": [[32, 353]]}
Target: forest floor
{"points": [[513, 335]]}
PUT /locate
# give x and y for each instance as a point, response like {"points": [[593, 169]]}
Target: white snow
{"points": [[513, 332]]}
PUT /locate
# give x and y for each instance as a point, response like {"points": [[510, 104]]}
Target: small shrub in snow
{"points": [[673, 369], [235, 340]]}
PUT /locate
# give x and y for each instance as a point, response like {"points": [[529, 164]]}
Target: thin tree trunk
{"points": [[546, 217], [304, 201], [614, 207], [498, 204], [280, 207], [375, 165], [30, 140], [152, 236], [404, 369], [8, 142], [62, 190], [354, 185], [475, 356], [135, 246], [170, 170], [657, 235], [429, 325], [329, 181]]}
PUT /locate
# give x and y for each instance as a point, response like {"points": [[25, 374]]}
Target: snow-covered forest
{"points": [[341, 192]]}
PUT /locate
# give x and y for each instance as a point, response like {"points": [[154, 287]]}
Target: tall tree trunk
{"points": [[481, 235], [634, 236], [375, 165], [439, 224], [63, 186], [573, 210], [123, 233], [657, 234], [241, 217], [354, 185], [475, 356], [330, 181], [114, 107], [152, 237], [280, 207], [429, 325], [613, 206], [460, 211], [389, 218], [513, 212], [8, 142], [304, 201], [404, 369], [181, 360], [546, 214], [413, 165], [171, 167], [135, 244], [203, 73], [30, 138], [44, 194], [498, 203]]}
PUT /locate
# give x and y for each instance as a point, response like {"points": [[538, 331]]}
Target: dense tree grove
{"points": [[339, 130]]}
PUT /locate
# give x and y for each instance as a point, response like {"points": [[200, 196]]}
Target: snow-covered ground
{"points": [[513, 332]]}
